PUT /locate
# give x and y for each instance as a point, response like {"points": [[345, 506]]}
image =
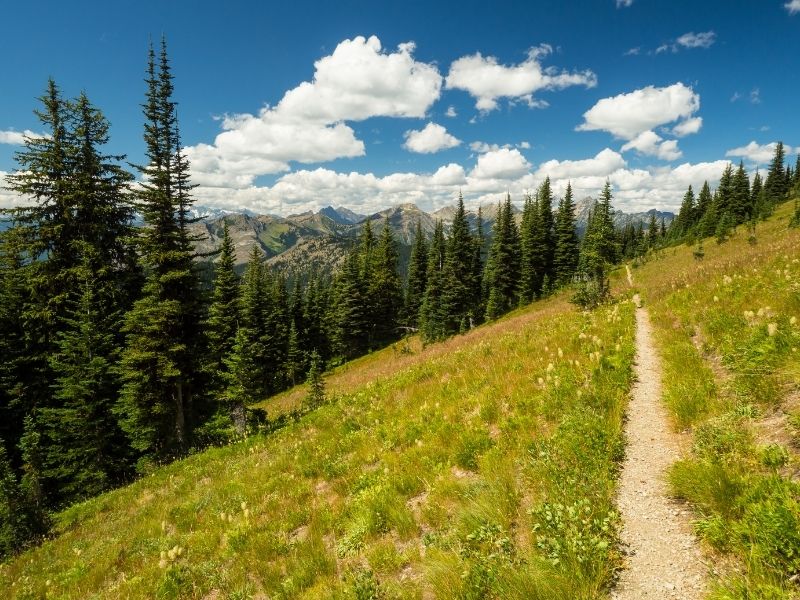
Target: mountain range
{"points": [[320, 240]]}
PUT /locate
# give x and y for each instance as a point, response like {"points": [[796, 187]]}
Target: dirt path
{"points": [[664, 560]]}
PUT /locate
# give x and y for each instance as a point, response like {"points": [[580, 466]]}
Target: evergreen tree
{"points": [[503, 264], [565, 259], [316, 384], [546, 226], [415, 288], [81, 454], [741, 205], [349, 316], [431, 318], [704, 201], [385, 288], [775, 184], [531, 255], [725, 191], [18, 526], [684, 221], [247, 368], [295, 359], [478, 259], [223, 314], [159, 362], [652, 231], [457, 274]]}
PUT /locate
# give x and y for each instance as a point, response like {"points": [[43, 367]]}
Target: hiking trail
{"points": [[664, 559]]}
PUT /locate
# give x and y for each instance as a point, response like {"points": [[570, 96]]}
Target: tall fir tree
{"points": [[565, 258], [478, 310], [349, 318], [385, 288], [775, 184], [159, 363], [417, 269], [457, 273], [503, 265], [432, 320], [223, 314], [684, 220], [741, 205], [531, 255]]}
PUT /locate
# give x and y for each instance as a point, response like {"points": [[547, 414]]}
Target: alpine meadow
{"points": [[489, 307]]}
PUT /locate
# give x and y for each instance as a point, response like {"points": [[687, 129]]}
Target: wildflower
{"points": [[560, 353], [726, 280], [793, 321], [244, 505], [550, 367], [716, 299], [540, 381], [772, 329]]}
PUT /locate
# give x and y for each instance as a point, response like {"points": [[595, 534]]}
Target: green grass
{"points": [[482, 467], [729, 335]]}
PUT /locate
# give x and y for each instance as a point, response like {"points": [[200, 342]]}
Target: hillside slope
{"points": [[483, 466], [728, 326]]}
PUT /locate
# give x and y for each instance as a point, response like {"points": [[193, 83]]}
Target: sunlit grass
{"points": [[481, 467], [728, 332]]}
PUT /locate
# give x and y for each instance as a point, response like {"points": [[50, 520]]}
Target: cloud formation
{"points": [[16, 137], [624, 3], [793, 6], [486, 80], [627, 115], [689, 40], [650, 143], [432, 138], [760, 154], [359, 80]]}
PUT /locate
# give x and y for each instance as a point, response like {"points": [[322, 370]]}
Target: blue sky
{"points": [[393, 102]]}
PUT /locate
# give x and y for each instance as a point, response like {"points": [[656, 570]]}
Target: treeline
{"points": [[736, 200]]}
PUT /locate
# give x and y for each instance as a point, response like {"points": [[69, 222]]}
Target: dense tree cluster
{"points": [[737, 200]]}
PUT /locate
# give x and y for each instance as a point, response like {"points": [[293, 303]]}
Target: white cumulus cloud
{"points": [[487, 80], [359, 80], [793, 6], [432, 138], [628, 115], [688, 127], [650, 143], [624, 3], [759, 153], [16, 138], [504, 163]]}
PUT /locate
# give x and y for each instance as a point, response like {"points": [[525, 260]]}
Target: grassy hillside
{"points": [[729, 332], [481, 467]]}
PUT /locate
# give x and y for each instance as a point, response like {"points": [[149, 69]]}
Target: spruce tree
{"points": [[741, 206], [81, 453], [724, 199], [159, 363], [457, 273], [503, 264], [247, 366], [775, 184], [478, 310], [315, 396], [652, 231], [350, 326], [684, 221], [432, 320], [530, 251], [546, 226], [384, 288], [704, 200], [223, 315], [565, 258], [415, 288]]}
